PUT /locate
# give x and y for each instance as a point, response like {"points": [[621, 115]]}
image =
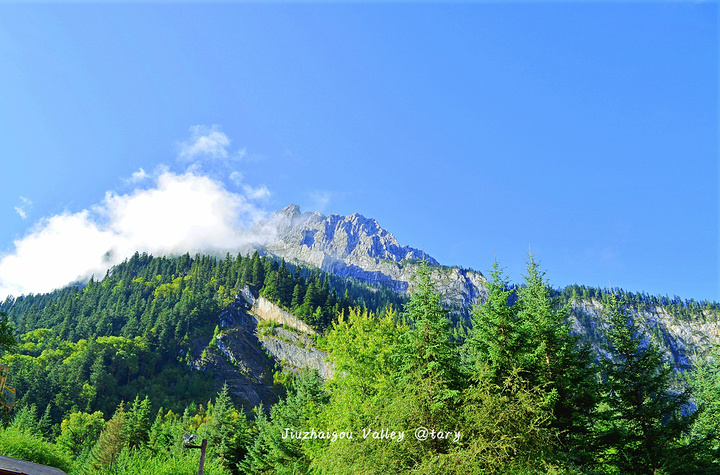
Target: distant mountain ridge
{"points": [[358, 247]]}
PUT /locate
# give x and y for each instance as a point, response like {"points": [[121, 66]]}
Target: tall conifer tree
{"points": [[496, 339], [557, 361], [428, 360], [643, 417]]}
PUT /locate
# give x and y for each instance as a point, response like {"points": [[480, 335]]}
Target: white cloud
{"points": [[180, 213], [138, 176], [236, 177], [253, 193], [258, 193], [23, 209], [204, 142], [240, 154], [320, 199], [19, 210]]}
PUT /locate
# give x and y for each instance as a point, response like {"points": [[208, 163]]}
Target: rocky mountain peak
{"points": [[292, 211], [356, 246], [352, 237]]}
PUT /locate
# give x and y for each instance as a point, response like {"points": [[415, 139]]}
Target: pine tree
{"points": [[311, 299], [285, 285], [258, 271], [705, 384], [26, 419], [7, 339], [225, 429], [641, 423], [270, 452], [428, 377], [271, 289], [111, 442], [138, 422], [496, 340], [297, 296], [44, 425], [557, 361], [525, 336]]}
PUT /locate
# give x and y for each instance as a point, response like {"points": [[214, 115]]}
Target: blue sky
{"points": [[585, 132]]}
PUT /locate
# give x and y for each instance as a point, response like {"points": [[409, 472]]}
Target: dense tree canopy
{"points": [[104, 386]]}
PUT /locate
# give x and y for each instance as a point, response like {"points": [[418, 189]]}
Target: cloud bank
{"points": [[179, 213]]}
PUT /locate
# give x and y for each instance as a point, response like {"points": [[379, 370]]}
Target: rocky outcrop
{"points": [[263, 309], [682, 342], [295, 351], [356, 246], [245, 356], [353, 238], [238, 358]]}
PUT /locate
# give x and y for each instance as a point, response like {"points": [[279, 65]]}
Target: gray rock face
{"points": [[264, 309], [246, 357], [356, 246], [295, 351], [683, 343], [239, 359]]}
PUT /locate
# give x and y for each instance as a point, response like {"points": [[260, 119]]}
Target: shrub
{"points": [[24, 445]]}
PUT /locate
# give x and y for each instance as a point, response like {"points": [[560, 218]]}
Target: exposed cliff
{"points": [[683, 342], [246, 355]]}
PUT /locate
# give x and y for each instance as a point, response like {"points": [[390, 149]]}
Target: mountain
{"points": [[358, 247], [182, 331]]}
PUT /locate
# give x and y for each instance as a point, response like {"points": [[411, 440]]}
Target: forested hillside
{"points": [[104, 381], [132, 332]]}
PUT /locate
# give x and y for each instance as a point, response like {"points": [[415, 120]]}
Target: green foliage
{"points": [[7, 337], [137, 422], [225, 429], [26, 418], [517, 386], [505, 427], [496, 340], [113, 439], [270, 452], [526, 333], [427, 359], [133, 462], [682, 309], [79, 432], [416, 384], [361, 347], [497, 426], [213, 340], [557, 361], [705, 382], [23, 444], [166, 433], [641, 425]]}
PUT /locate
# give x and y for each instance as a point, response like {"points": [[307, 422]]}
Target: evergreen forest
{"points": [[104, 379]]}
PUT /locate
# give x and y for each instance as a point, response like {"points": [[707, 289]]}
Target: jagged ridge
{"points": [[358, 247]]}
